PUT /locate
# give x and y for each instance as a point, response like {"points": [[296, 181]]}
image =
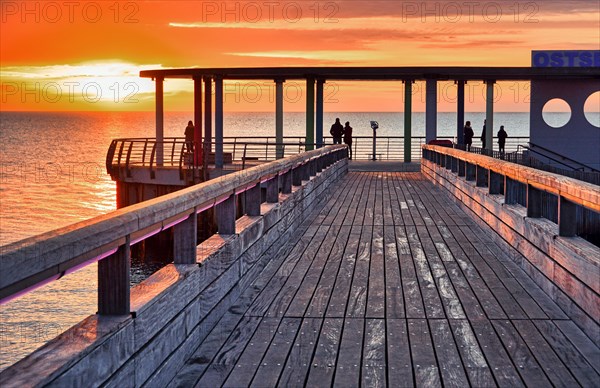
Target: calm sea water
{"points": [[52, 174]]}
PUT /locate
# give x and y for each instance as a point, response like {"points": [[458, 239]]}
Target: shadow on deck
{"points": [[391, 283]]}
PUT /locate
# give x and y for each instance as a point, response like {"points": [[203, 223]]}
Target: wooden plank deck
{"points": [[390, 283]]}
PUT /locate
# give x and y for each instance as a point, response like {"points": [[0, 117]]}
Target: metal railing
{"points": [[240, 152], [172, 152]]}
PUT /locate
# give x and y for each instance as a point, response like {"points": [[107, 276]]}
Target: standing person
{"points": [[348, 138], [483, 135], [468, 132], [189, 136], [502, 135], [337, 131]]}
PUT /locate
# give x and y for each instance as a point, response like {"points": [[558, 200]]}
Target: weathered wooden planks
{"points": [[397, 286]]}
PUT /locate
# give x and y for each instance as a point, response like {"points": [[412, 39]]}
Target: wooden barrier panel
{"points": [[566, 267]]}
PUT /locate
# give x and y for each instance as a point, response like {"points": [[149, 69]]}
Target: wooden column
{"points": [[253, 200], [408, 120], [319, 125], [219, 122], [489, 115], [567, 218], [460, 111], [113, 282], [185, 240], [160, 121], [310, 113], [198, 120], [430, 109], [207, 122], [226, 216], [279, 153]]}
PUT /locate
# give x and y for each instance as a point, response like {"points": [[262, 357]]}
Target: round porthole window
{"points": [[556, 113], [591, 109]]}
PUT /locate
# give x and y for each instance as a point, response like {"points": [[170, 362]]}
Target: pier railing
{"points": [[32, 262], [172, 152], [572, 204]]}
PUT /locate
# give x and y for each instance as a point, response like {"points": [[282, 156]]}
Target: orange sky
{"points": [[86, 55]]}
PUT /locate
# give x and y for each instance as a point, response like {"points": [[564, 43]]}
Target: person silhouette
{"points": [[468, 132], [483, 135], [189, 136], [502, 135], [337, 131], [348, 138]]}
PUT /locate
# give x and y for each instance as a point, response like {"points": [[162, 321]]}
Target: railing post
{"points": [[448, 162], [113, 282], [305, 173], [297, 175], [286, 182], [185, 240], [226, 216], [454, 164], [461, 167], [567, 218], [481, 179], [534, 202], [496, 183], [510, 191], [273, 190], [253, 200], [442, 159], [470, 171]]}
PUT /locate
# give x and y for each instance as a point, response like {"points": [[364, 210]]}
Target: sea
{"points": [[52, 174]]}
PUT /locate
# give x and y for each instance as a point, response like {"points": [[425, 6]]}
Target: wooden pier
{"points": [[391, 283]]}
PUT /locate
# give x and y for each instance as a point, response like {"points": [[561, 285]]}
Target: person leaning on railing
{"points": [[189, 136]]}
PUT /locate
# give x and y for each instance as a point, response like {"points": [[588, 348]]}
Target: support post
{"points": [[160, 121], [286, 182], [510, 191], [226, 216], [253, 200], [113, 282], [279, 118], [489, 115], [407, 120], [310, 113], [470, 172], [207, 122], [496, 183], [198, 160], [219, 121], [481, 179], [273, 190], [297, 175], [460, 111], [448, 162], [185, 240], [461, 167], [534, 202], [567, 218], [319, 128], [430, 109]]}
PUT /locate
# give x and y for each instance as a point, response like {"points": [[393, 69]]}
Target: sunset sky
{"points": [[84, 55]]}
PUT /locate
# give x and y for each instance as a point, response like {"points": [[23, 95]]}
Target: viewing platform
{"points": [[429, 278]]}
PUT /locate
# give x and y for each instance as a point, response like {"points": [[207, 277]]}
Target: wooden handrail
{"points": [[574, 190], [36, 260]]}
